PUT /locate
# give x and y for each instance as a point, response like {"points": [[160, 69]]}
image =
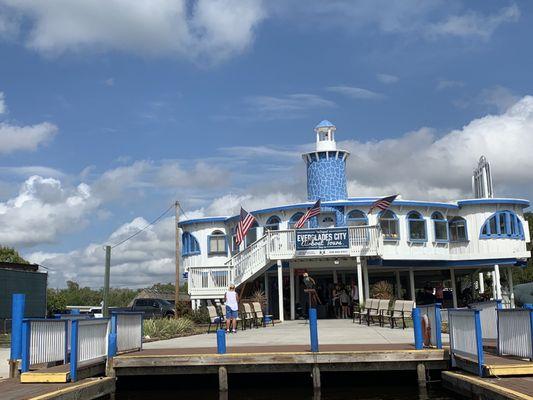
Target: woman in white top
{"points": [[231, 300]]}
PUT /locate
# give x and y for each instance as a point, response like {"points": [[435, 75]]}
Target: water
{"points": [[336, 386]]}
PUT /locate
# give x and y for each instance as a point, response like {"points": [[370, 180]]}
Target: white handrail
{"points": [[489, 317], [432, 311], [515, 332], [46, 341], [463, 335]]}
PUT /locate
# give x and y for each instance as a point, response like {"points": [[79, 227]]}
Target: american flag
{"points": [[383, 203], [313, 211], [244, 225]]}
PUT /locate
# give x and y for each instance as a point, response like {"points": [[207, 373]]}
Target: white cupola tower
{"points": [[325, 136]]}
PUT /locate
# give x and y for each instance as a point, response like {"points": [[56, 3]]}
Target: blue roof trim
{"points": [[324, 124], [520, 202], [202, 220]]}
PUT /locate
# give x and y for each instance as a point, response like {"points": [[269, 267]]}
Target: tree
{"points": [[10, 255], [525, 275]]}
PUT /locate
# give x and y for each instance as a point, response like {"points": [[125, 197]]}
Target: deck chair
{"points": [[407, 310], [259, 316], [247, 315], [396, 313], [376, 312], [214, 318], [360, 311]]}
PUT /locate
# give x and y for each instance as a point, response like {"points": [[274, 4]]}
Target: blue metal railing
{"points": [[427, 317], [515, 332], [466, 336]]}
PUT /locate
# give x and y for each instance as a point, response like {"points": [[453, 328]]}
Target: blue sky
{"points": [[109, 113]]}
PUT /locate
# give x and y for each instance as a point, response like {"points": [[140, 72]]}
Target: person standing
{"points": [[344, 298], [231, 300]]}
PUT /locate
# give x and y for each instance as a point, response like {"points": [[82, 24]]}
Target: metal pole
{"points": [[280, 291], [177, 283], [105, 308]]}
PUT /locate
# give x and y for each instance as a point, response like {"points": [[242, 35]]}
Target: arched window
{"points": [[440, 225], [356, 218], [417, 227], [502, 224], [294, 219], [189, 245], [216, 243], [388, 221], [458, 232], [272, 223], [251, 235]]}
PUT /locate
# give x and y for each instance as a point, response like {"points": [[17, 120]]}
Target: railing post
{"points": [[479, 342], [17, 315], [112, 344], [438, 325], [74, 352], [26, 332], [313, 329], [417, 327], [221, 341], [531, 333]]}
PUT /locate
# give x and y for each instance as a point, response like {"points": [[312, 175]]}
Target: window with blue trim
{"points": [[388, 221], [272, 223], [216, 243], [251, 235], [417, 227], [502, 224], [458, 231], [356, 218], [189, 245], [294, 219], [440, 225]]}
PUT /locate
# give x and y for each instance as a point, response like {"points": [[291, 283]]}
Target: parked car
{"points": [[154, 308]]}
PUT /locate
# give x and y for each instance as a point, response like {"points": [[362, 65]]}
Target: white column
{"points": [[412, 289], [280, 291], [481, 283], [454, 288], [497, 282], [511, 286], [398, 285], [297, 288], [366, 281], [291, 285], [360, 280], [335, 277], [267, 294]]}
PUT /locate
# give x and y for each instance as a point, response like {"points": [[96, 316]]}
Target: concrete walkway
{"points": [[335, 331], [4, 366]]}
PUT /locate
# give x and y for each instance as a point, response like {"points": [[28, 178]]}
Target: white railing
{"points": [[92, 339], [281, 245], [43, 341], [466, 340], [69, 318], [209, 278], [488, 316], [433, 313], [515, 332], [249, 261], [365, 240], [128, 328]]}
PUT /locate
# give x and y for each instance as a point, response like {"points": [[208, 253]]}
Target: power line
{"points": [[144, 228], [183, 211]]}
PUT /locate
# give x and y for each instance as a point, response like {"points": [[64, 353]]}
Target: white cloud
{"points": [[25, 138], [356, 92], [109, 82], [472, 24], [387, 78], [499, 97], [3, 107], [212, 29], [421, 164], [287, 106], [43, 210], [448, 84]]}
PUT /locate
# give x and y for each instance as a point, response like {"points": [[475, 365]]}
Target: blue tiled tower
{"points": [[326, 167]]}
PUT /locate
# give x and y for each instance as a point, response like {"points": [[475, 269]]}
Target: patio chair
{"points": [[247, 315], [214, 318], [408, 306], [362, 310], [376, 312], [396, 313], [260, 316]]}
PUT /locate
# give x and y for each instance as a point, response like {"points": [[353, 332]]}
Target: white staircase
{"points": [[209, 282]]}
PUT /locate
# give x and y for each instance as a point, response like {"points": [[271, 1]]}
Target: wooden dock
{"points": [[86, 389], [497, 366], [508, 388]]}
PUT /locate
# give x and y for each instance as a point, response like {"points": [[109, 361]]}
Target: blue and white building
{"points": [[410, 244]]}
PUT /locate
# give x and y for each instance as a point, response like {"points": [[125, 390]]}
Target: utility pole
{"points": [[177, 231], [105, 307]]}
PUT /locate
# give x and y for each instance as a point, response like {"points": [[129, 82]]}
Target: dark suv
{"points": [[154, 308]]}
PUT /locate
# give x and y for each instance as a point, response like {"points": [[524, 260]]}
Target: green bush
{"points": [[166, 328]]}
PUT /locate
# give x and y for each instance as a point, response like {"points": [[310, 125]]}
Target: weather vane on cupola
{"points": [[326, 166]]}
